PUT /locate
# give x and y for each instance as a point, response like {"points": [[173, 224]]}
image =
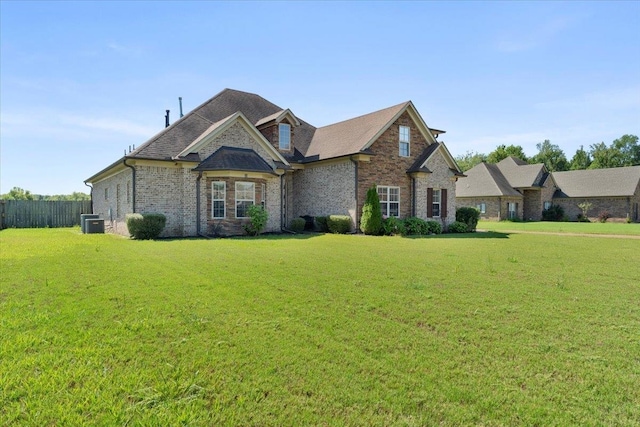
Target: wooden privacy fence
{"points": [[41, 213]]}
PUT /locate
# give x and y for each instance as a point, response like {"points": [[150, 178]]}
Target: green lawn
{"points": [[490, 329], [563, 227]]}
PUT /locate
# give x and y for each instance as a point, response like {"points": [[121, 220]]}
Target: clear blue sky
{"points": [[80, 82]]}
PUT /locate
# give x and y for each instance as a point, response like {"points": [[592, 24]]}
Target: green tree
{"points": [[551, 155], [371, 220], [470, 159], [502, 152], [629, 149], [581, 160], [605, 157], [17, 193]]}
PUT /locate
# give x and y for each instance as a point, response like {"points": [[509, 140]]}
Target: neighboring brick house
{"points": [[510, 189], [514, 189], [238, 149], [614, 190]]}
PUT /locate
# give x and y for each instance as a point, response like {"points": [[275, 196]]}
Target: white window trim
{"points": [[287, 127], [224, 199], [252, 200], [437, 191], [482, 207], [384, 205], [401, 141], [547, 205]]}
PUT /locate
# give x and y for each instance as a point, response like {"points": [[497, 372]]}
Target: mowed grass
{"points": [[613, 228], [491, 329]]}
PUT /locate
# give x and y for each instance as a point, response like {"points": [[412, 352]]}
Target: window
{"points": [[512, 208], [263, 188], [245, 197], [404, 141], [482, 207], [389, 200], [218, 199], [106, 193], [436, 203], [285, 136], [547, 205]]}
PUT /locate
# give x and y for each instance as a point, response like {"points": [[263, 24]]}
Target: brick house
{"points": [[238, 149], [513, 189], [510, 189], [614, 190]]}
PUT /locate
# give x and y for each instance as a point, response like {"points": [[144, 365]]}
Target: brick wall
{"points": [[496, 207], [118, 202], [235, 136], [618, 207], [324, 189], [388, 168], [272, 134]]}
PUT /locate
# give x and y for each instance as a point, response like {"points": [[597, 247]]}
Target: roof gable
{"points": [[520, 174], [612, 182], [484, 180], [279, 117], [220, 127]]}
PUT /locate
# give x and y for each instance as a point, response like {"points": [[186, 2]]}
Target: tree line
{"points": [[624, 151], [17, 193]]}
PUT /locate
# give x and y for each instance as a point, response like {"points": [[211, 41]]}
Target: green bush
{"points": [[297, 225], [257, 220], [339, 224], [321, 224], [458, 227], [469, 216], [554, 213], [145, 226], [434, 227], [392, 226], [371, 220], [415, 226]]}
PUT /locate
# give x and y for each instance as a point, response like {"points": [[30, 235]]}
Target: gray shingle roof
{"points": [[611, 182], [417, 165], [232, 158], [484, 179], [349, 136], [520, 174], [172, 140]]}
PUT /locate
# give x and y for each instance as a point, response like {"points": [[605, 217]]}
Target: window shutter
{"points": [[429, 202], [443, 203]]}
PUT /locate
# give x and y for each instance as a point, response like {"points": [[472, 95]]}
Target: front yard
{"points": [[486, 329]]}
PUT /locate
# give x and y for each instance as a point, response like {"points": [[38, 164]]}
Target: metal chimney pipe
{"points": [[166, 119], [180, 100]]}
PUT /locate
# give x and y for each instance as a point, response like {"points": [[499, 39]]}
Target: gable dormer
{"points": [[278, 129]]}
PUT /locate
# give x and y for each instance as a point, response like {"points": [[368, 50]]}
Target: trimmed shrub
{"points": [[415, 226], [145, 226], [339, 224], [371, 221], [297, 225], [468, 216], [434, 227], [257, 220], [582, 218], [392, 226], [554, 213], [321, 224], [604, 216], [458, 227]]}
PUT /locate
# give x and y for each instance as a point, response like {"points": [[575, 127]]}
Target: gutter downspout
{"points": [[413, 196], [133, 185], [355, 163], [282, 202], [90, 194], [198, 203]]}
